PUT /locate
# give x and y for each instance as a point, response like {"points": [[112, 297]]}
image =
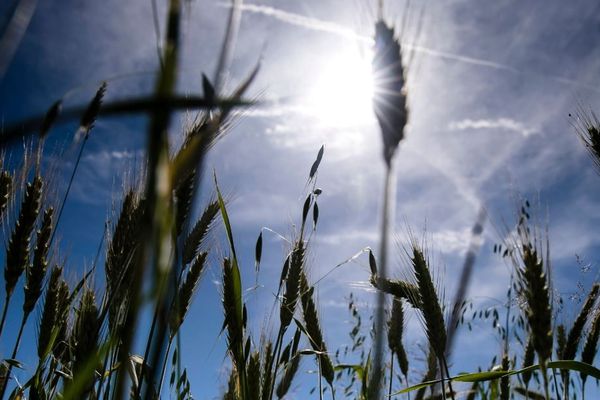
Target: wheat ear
{"points": [[590, 346], [17, 253], [37, 270], [391, 110]]}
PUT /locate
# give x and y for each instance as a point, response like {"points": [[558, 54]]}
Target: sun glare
{"points": [[342, 94]]}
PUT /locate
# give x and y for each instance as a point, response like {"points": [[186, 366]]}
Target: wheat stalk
{"points": [[528, 359], [505, 380], [391, 110], [123, 256], [61, 348], [85, 336], [267, 378], [183, 298], [6, 182], [254, 382], [17, 253], [37, 270], [288, 376], [590, 346], [395, 331], [196, 236], [572, 343], [33, 286], [292, 285], [399, 289], [533, 286], [313, 329], [49, 312]]}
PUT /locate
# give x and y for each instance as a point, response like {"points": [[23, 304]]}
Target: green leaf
{"points": [[481, 376], [491, 375]]}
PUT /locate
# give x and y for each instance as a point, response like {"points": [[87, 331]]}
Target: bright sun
{"points": [[342, 94]]}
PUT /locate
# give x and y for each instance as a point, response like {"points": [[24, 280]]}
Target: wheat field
{"points": [[323, 200]]}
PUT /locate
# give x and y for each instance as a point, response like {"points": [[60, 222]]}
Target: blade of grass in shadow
{"points": [[158, 219], [20, 130], [465, 278]]}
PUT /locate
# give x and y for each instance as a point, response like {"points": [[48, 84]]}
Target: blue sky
{"points": [[490, 87]]}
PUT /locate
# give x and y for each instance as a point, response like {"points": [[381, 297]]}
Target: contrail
{"points": [[305, 22], [335, 29]]}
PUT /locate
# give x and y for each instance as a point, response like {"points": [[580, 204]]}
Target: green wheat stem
{"points": [[447, 371], [442, 382], [391, 374], [164, 366], [4, 312], [146, 352], [65, 197], [320, 378], [14, 355], [275, 360], [388, 193]]}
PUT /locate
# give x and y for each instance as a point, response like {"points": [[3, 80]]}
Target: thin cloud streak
{"points": [[305, 22], [499, 123]]}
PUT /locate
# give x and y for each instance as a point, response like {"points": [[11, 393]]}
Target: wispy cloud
{"points": [[101, 174], [343, 32], [497, 123]]}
